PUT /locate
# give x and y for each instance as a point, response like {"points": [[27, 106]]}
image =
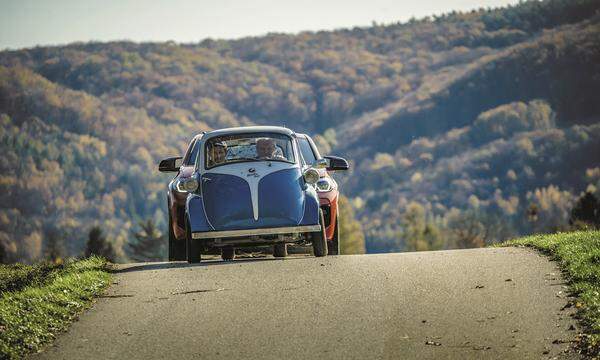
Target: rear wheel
{"points": [[280, 250], [228, 253], [176, 247], [333, 246], [319, 240], [192, 246]]}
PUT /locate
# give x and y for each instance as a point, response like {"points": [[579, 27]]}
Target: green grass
{"points": [[39, 301], [17, 276], [579, 256]]}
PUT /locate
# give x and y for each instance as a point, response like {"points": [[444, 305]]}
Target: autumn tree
{"points": [[506, 120], [466, 229], [352, 238], [419, 233], [549, 208]]}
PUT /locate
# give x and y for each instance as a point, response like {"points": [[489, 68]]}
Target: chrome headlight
{"points": [[186, 185], [311, 176], [324, 185]]}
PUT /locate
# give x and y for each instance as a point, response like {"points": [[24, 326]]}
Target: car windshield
{"points": [[227, 149]]}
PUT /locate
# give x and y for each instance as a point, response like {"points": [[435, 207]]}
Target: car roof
{"points": [[250, 129]]}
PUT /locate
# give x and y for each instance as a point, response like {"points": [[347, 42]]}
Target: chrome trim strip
{"points": [[255, 232]]}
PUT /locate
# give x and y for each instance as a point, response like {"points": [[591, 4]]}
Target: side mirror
{"points": [[336, 163], [169, 164]]}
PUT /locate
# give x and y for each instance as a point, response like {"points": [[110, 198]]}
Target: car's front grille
{"points": [[326, 214]]}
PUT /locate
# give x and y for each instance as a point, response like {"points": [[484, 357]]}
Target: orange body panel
{"points": [[330, 199]]}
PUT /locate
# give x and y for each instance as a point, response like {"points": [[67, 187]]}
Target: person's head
{"points": [[219, 153], [265, 148]]}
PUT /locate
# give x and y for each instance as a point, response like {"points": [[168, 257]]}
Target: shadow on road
{"points": [[125, 268]]}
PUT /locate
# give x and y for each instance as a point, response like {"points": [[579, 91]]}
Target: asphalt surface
{"points": [[482, 303]]}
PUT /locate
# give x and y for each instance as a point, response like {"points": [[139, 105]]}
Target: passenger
{"points": [[219, 153]]}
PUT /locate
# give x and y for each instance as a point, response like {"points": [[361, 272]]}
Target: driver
{"points": [[265, 148]]}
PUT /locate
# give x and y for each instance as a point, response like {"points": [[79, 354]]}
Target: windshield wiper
{"points": [[243, 159], [279, 159]]}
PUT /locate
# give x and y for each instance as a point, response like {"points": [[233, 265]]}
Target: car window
{"points": [[307, 151], [191, 160], [188, 153], [226, 149]]}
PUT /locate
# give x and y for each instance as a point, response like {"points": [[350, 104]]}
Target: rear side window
{"points": [[307, 151]]}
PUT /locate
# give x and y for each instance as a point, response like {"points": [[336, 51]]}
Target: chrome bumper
{"points": [[255, 232]]}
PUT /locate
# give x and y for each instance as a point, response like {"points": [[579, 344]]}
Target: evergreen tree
{"points": [[2, 254], [586, 210], [148, 244], [53, 247], [6, 256], [97, 244]]}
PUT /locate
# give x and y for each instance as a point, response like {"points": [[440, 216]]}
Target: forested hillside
{"points": [[462, 129]]}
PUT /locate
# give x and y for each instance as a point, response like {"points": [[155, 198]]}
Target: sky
{"points": [[27, 23]]}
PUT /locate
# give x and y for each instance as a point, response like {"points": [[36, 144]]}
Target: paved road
{"points": [[484, 303]]}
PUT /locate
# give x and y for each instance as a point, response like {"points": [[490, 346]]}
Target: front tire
{"points": [[192, 246], [319, 239], [228, 253], [333, 246], [176, 247], [280, 250]]}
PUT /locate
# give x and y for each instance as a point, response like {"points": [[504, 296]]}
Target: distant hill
{"points": [[461, 129]]}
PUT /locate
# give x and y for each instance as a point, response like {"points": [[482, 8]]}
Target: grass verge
{"points": [[578, 254], [38, 302], [17, 276]]}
